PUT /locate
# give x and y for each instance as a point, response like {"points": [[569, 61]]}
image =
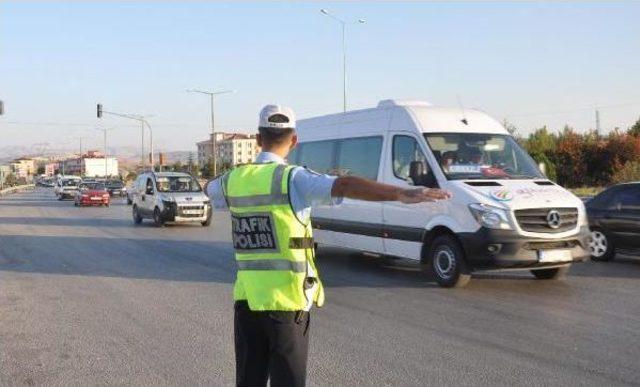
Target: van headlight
{"points": [[490, 216]]}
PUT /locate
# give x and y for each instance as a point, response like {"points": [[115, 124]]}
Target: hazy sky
{"points": [[533, 63]]}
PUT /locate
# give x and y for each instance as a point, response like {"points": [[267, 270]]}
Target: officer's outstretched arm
{"points": [[358, 188]]}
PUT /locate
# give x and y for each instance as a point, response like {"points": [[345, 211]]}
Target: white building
{"points": [[92, 164], [233, 149]]}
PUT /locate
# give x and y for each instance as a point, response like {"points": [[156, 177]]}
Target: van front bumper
{"points": [[493, 249], [174, 213]]}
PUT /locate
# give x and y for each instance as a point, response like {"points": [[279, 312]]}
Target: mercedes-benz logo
{"points": [[553, 219]]}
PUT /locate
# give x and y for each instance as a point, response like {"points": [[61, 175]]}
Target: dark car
{"points": [[115, 188], [614, 219]]}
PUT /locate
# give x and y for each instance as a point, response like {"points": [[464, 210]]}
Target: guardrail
{"points": [[17, 188]]}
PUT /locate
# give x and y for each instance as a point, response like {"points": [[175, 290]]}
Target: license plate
{"points": [[96, 198], [192, 212], [554, 255]]}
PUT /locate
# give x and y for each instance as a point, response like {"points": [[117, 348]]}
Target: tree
{"points": [[190, 162], [635, 129], [570, 156], [177, 166], [131, 176], [629, 172], [11, 180], [207, 171]]}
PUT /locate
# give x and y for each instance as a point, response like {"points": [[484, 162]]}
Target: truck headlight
{"points": [[490, 216]]}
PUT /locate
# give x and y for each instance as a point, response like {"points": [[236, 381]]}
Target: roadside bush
{"points": [[629, 172]]}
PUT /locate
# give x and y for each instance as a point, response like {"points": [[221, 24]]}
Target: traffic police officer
{"points": [[277, 280]]}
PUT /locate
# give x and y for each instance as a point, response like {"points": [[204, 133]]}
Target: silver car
{"points": [[170, 197]]}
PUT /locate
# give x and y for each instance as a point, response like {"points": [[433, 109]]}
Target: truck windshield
{"points": [[177, 184], [465, 156]]}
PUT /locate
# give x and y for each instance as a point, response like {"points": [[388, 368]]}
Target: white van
{"points": [[170, 197], [66, 186], [504, 214]]}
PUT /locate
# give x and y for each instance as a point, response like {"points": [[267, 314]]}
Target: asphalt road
{"points": [[88, 298]]}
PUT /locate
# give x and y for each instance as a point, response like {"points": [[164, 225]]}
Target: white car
{"points": [[66, 186], [170, 197], [504, 214]]}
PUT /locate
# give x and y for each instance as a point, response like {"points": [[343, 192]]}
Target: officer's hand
{"points": [[418, 195]]}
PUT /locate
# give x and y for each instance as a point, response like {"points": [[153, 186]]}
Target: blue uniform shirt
{"points": [[307, 188]]}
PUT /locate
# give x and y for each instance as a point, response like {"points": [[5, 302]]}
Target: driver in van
{"points": [[448, 158], [277, 279]]}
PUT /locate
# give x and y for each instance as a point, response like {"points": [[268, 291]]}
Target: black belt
{"points": [[295, 315], [301, 243]]}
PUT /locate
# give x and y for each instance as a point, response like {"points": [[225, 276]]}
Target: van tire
{"points": [[447, 262], [551, 274], [137, 219], [157, 218]]}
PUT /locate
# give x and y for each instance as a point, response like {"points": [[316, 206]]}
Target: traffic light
{"points": [[99, 112]]}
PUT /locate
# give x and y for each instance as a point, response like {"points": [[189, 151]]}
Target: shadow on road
{"points": [[70, 222], [118, 257], [203, 261]]}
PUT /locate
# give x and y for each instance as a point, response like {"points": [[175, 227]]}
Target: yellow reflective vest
{"points": [[273, 248]]}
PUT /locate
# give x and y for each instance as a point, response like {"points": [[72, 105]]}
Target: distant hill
{"points": [[124, 154]]}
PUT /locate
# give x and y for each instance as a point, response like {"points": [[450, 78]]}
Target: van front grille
{"points": [[540, 220]]}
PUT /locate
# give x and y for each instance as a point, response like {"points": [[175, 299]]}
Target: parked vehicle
{"points": [[92, 194], [116, 188], [66, 187], [132, 191], [614, 219], [504, 213], [170, 197]]}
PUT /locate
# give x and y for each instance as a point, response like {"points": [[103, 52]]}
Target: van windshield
{"points": [[481, 156], [177, 184]]}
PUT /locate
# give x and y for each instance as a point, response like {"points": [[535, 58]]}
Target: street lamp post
{"points": [[105, 153], [212, 95], [343, 24]]}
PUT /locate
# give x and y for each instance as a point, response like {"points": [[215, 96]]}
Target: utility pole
{"points": [[597, 123], [344, 53], [212, 95], [105, 151]]}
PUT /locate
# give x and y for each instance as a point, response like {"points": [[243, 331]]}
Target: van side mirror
{"points": [[419, 177], [149, 190]]}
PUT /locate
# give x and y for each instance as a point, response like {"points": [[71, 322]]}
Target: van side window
{"points": [[405, 150], [316, 155], [359, 157]]}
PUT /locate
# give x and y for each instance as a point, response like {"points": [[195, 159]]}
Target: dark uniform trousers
{"points": [[270, 345]]}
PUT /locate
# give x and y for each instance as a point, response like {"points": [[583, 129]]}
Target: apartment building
{"points": [[232, 148], [23, 167]]}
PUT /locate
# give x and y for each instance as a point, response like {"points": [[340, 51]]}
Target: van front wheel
{"points": [[446, 259]]}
